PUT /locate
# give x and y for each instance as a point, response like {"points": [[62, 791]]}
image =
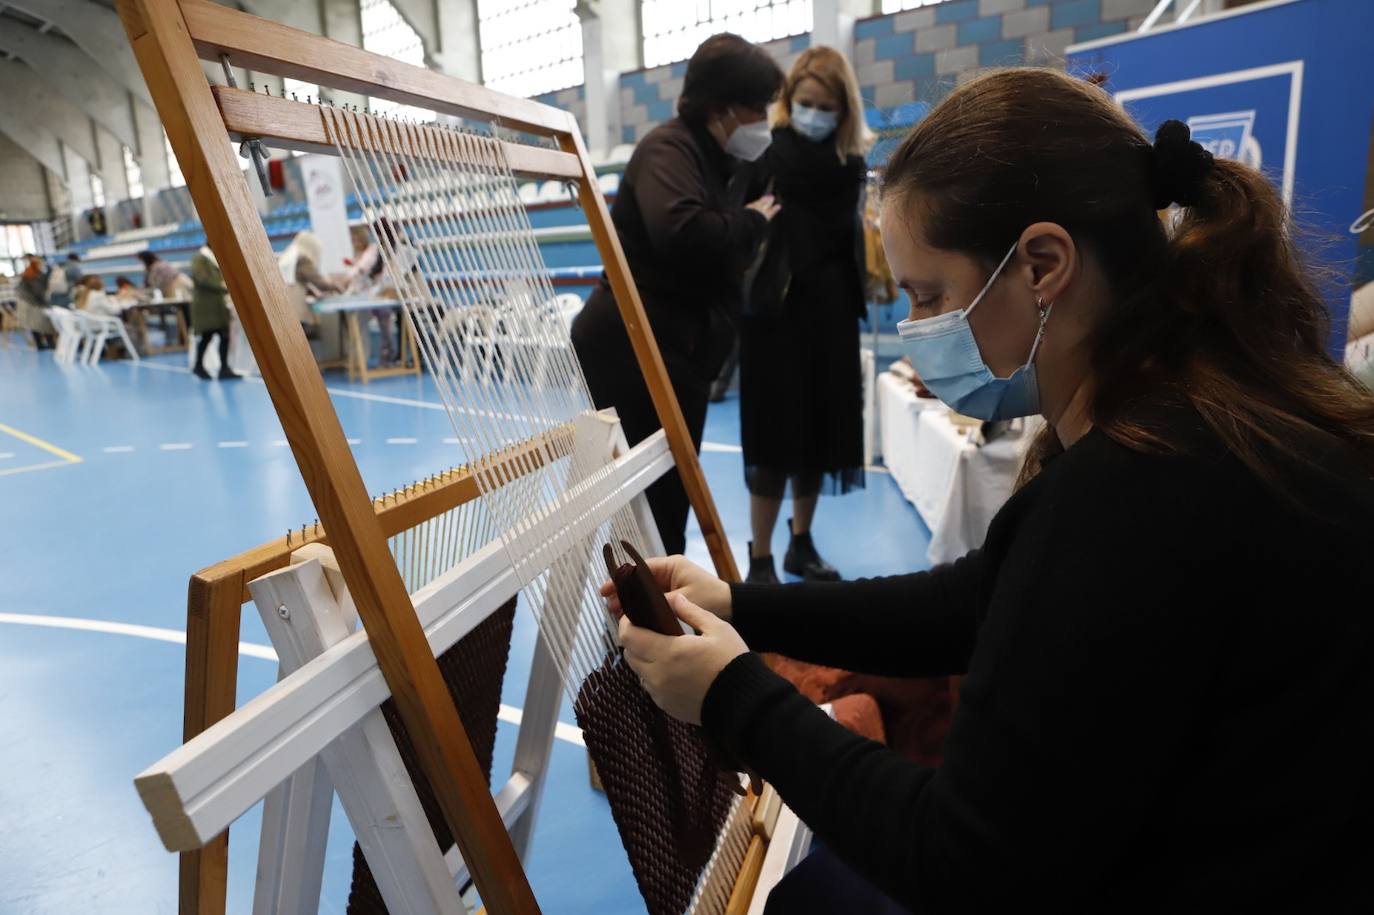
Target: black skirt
{"points": [[801, 389]]}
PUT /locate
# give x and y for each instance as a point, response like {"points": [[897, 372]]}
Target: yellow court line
{"points": [[67, 456], [47, 466]]}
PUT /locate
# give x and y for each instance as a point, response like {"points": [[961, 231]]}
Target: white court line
{"points": [[401, 441], [6, 454], [118, 449], [235, 444], [176, 446], [355, 441], [719, 448], [508, 713], [279, 443]]}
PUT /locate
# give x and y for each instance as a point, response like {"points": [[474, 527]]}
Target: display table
{"points": [[176, 338], [356, 309], [955, 484]]}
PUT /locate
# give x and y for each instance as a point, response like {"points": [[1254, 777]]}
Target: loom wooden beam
{"points": [[161, 37], [288, 124], [650, 360], [270, 47]]}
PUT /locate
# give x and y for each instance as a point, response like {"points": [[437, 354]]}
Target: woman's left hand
{"points": [[677, 671]]}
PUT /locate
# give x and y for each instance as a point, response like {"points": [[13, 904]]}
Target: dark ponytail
{"points": [[1212, 305]]}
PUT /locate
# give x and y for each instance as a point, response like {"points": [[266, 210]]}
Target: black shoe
{"points": [[803, 561], [199, 372], [761, 570], [229, 375]]}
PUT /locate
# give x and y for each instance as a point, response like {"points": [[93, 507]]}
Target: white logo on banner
{"points": [[1228, 136]]}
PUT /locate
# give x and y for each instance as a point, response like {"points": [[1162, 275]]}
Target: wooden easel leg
{"points": [[212, 658]]}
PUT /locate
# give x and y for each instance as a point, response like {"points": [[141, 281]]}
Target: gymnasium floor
{"points": [[116, 483]]}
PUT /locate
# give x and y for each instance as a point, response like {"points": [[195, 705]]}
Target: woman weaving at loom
{"points": [[1165, 640], [688, 238]]}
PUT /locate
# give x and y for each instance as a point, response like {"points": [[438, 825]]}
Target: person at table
{"points": [[801, 389], [404, 262], [64, 282], [164, 277], [300, 268], [1165, 641], [688, 236], [126, 293], [210, 313], [32, 293]]}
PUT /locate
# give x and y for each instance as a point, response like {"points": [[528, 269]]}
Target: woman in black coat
{"points": [[688, 237], [801, 394]]}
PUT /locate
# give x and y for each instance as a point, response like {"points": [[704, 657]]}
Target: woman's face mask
{"points": [[813, 123], [748, 141], [944, 352]]}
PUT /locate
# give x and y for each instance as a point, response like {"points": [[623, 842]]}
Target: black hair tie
{"points": [[1180, 166]]}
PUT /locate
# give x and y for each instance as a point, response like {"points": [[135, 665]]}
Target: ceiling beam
{"points": [[75, 75], [96, 29], [45, 107], [34, 140]]}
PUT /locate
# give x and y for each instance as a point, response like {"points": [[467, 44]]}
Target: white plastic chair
{"points": [[569, 306], [69, 333], [609, 182], [97, 329], [553, 191]]}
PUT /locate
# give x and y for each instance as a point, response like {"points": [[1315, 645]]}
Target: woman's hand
{"points": [[767, 205], [675, 573], [677, 671]]}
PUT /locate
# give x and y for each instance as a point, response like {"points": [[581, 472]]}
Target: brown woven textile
{"points": [[667, 796], [474, 670]]}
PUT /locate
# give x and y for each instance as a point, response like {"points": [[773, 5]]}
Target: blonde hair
{"points": [[831, 69]]}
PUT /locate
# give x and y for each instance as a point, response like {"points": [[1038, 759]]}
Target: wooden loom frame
{"points": [[170, 38]]}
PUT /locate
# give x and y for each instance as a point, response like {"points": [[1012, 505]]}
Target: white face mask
{"points": [[748, 141], [813, 123]]}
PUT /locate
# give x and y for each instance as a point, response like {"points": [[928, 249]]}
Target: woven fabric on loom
{"points": [[666, 795], [474, 670]]}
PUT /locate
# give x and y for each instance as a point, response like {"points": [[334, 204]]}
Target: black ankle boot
{"points": [[199, 372], [803, 560], [761, 570]]}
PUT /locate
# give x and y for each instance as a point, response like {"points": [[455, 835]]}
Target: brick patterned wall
{"points": [[23, 197], [919, 55], [573, 99], [648, 97]]}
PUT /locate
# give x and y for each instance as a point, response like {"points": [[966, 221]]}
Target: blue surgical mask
{"points": [[813, 123], [945, 354]]}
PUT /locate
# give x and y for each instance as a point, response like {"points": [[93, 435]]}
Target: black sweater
{"points": [[1168, 700]]}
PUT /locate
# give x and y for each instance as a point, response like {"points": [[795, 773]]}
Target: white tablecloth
{"points": [[956, 485]]}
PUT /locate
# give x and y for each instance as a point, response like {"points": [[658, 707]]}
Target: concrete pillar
{"points": [[111, 166], [610, 46], [152, 160], [342, 23], [79, 196], [833, 23], [454, 46]]}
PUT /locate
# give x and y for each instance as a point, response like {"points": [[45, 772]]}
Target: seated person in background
{"points": [[89, 291], [300, 268], [405, 260], [366, 256], [126, 293], [162, 276]]}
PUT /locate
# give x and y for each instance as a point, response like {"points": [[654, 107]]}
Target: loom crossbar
{"points": [[288, 124], [197, 790]]}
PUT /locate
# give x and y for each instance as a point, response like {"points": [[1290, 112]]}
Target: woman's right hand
{"points": [[676, 573], [767, 205]]}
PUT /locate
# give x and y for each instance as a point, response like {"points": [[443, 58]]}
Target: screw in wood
{"points": [[283, 612]]}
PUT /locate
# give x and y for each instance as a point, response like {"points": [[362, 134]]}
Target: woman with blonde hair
{"points": [[300, 269], [801, 399]]}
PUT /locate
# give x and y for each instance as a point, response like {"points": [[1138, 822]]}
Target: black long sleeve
{"points": [[920, 625], [683, 223], [1166, 706]]}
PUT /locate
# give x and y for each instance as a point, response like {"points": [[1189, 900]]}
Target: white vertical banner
{"points": [[324, 196]]}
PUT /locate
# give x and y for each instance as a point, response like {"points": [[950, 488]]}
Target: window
{"points": [[15, 242], [133, 174], [97, 190], [673, 28], [175, 177], [298, 90], [530, 47], [897, 6], [386, 33]]}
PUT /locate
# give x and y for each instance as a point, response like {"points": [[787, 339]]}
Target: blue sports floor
{"points": [[116, 483]]}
